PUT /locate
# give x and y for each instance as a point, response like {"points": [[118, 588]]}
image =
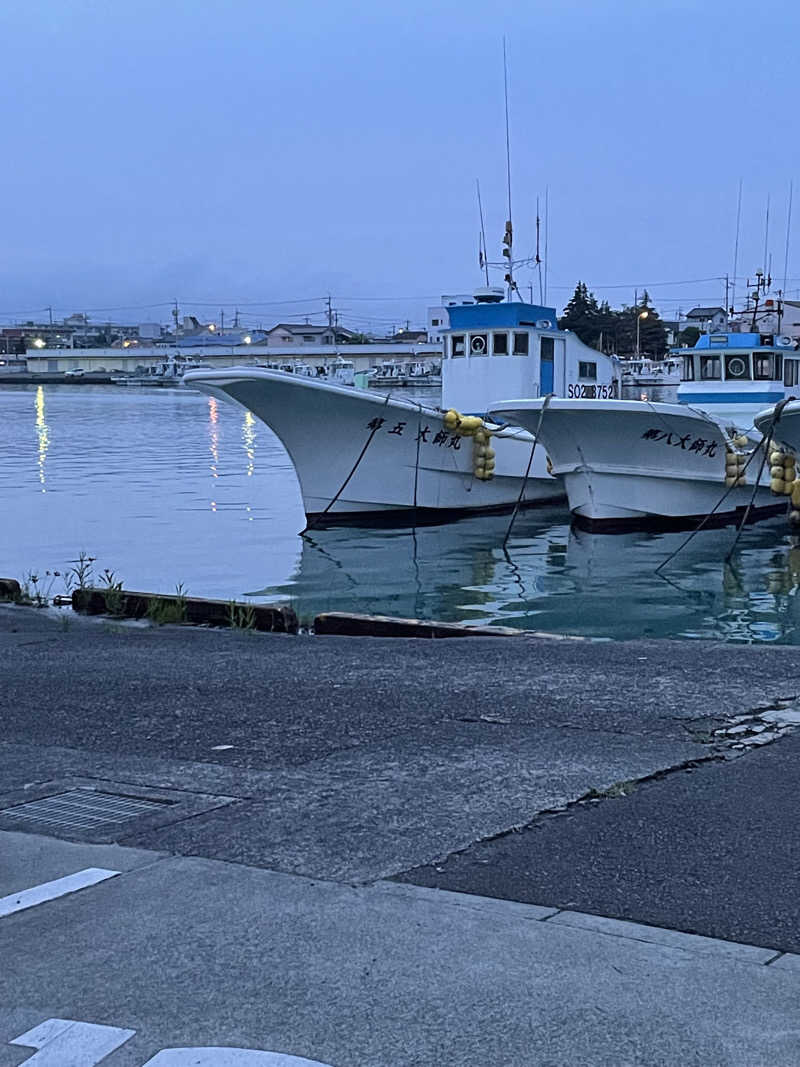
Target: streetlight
{"points": [[639, 317]]}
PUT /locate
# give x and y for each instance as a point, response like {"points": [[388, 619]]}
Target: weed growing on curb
{"points": [[112, 593], [241, 616], [168, 610]]}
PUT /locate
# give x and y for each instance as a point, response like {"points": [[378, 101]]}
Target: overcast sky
{"points": [[248, 152]]}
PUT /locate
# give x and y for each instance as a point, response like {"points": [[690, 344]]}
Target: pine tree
{"points": [[582, 315]]}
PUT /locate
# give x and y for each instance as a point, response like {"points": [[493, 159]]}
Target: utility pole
{"points": [[330, 318], [222, 320], [236, 319], [175, 316], [50, 313]]}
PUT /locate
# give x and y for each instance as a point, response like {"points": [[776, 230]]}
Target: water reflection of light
{"points": [[249, 438], [213, 433], [43, 433]]}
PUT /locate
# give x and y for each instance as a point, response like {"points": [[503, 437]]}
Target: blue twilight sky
{"points": [[250, 153]]}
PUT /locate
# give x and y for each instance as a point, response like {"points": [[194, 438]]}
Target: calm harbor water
{"points": [[168, 486]]}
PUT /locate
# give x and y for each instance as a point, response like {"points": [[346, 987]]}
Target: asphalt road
{"points": [[354, 759]]}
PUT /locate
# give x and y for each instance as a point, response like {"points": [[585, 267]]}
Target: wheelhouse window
{"points": [[688, 369], [520, 344], [791, 371], [710, 368], [457, 345], [737, 366], [766, 366], [479, 344], [500, 344], [587, 370]]}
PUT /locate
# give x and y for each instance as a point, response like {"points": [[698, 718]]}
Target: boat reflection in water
{"points": [[557, 579]]}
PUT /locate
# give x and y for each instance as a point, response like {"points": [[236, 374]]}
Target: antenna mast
{"points": [[538, 259], [766, 239], [788, 229], [736, 250], [546, 235], [482, 251], [508, 236]]}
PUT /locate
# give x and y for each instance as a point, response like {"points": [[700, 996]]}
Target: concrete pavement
{"points": [[194, 952], [293, 778]]}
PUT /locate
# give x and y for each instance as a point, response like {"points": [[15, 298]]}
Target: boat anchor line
{"points": [[524, 485], [318, 519], [728, 490]]}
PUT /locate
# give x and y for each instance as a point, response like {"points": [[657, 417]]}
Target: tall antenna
{"points": [[546, 235], [766, 237], [788, 229], [736, 248], [508, 237], [482, 253], [538, 259], [508, 134]]}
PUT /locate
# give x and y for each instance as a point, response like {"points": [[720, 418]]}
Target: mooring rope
{"points": [[524, 485], [775, 417]]}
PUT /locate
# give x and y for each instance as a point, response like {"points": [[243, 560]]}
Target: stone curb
{"points": [[694, 944]]}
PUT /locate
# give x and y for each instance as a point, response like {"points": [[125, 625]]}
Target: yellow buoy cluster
{"points": [[735, 461], [482, 452], [783, 475]]}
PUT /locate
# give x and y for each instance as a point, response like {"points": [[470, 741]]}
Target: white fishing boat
{"points": [[361, 456], [782, 423], [165, 373], [633, 463]]}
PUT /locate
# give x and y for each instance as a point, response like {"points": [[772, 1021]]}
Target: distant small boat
{"points": [[168, 372], [651, 371]]}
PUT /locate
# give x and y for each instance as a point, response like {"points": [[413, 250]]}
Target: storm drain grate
{"points": [[83, 809]]}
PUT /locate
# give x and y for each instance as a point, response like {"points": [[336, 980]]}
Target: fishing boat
{"points": [[362, 457], [630, 463], [166, 373], [651, 372]]}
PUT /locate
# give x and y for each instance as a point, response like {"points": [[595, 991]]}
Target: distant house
{"points": [[411, 337], [707, 320], [290, 333]]}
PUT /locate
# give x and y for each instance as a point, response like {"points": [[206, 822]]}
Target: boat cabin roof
{"points": [[743, 340], [500, 317]]}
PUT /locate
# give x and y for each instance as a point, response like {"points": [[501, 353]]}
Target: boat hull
{"points": [[366, 458], [631, 465]]}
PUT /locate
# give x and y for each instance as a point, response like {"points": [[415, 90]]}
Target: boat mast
{"points": [[508, 236], [735, 252]]}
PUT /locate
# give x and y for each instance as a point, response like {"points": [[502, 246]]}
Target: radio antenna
{"points": [[766, 237], [508, 236], [538, 259], [546, 235], [788, 229], [482, 252], [736, 249]]}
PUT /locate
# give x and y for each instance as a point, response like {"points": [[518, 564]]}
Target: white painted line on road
{"points": [[66, 1041], [228, 1057], [59, 887]]}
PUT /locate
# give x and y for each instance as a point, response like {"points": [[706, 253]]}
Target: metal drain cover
{"points": [[83, 810]]}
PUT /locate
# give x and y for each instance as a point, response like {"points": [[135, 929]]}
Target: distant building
{"points": [[438, 317], [287, 333], [707, 320], [411, 337]]}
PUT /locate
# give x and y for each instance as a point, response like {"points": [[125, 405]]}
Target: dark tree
{"points": [[582, 315], [689, 336]]}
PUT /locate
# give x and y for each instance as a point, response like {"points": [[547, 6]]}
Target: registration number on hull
{"points": [[591, 392]]}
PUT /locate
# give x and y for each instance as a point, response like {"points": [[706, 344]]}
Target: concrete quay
{"points": [[364, 851]]}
